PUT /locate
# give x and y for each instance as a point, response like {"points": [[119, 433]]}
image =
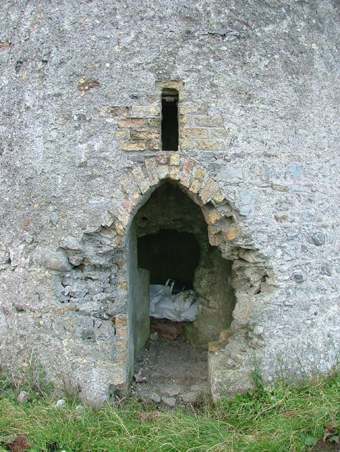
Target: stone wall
{"points": [[80, 154]]}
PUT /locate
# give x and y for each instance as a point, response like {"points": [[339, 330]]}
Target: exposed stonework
{"points": [[81, 154]]}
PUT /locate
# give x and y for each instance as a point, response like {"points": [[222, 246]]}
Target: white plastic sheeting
{"points": [[181, 307]]}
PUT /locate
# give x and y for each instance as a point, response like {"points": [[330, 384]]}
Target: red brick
{"points": [[208, 121], [161, 159], [187, 172]]}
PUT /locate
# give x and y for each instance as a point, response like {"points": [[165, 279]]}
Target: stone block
{"points": [[120, 321], [175, 159], [232, 174], [122, 285], [128, 206], [144, 185], [131, 122], [154, 123], [231, 234], [151, 167], [210, 145], [119, 227], [136, 197], [225, 336], [185, 109], [123, 217], [250, 255], [121, 332], [54, 260], [199, 175], [194, 133], [142, 181], [195, 186], [122, 346], [163, 171], [218, 197], [183, 121], [150, 164], [186, 145], [216, 346], [155, 145], [243, 309], [134, 145], [247, 200], [138, 173], [208, 121], [174, 172], [207, 190], [278, 187], [119, 239], [145, 134], [212, 217]]}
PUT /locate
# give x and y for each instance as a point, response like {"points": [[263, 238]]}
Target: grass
{"points": [[284, 418]]}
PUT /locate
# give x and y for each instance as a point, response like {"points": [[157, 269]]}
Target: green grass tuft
{"points": [[284, 418]]}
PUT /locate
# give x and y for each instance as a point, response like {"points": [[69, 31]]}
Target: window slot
{"points": [[169, 120]]}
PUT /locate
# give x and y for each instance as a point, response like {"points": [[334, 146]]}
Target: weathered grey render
{"points": [[84, 175]]}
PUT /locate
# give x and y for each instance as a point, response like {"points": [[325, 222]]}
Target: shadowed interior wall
{"points": [[138, 306], [169, 254]]}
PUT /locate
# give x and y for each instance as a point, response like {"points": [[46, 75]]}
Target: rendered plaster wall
{"points": [[80, 87]]}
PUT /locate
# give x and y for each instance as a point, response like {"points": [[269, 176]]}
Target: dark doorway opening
{"points": [[169, 254], [169, 120], [172, 243]]}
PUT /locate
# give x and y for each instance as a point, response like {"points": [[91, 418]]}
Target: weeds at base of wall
{"points": [[284, 418], [29, 381]]}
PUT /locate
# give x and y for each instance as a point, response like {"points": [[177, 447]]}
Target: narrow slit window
{"points": [[169, 120]]}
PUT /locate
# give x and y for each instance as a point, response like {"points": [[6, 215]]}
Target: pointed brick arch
{"points": [[253, 281], [201, 188], [106, 250]]}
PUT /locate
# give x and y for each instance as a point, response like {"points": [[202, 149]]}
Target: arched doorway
{"points": [[108, 292], [169, 240]]}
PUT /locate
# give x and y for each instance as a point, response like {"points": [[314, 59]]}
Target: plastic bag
{"points": [[181, 307]]}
